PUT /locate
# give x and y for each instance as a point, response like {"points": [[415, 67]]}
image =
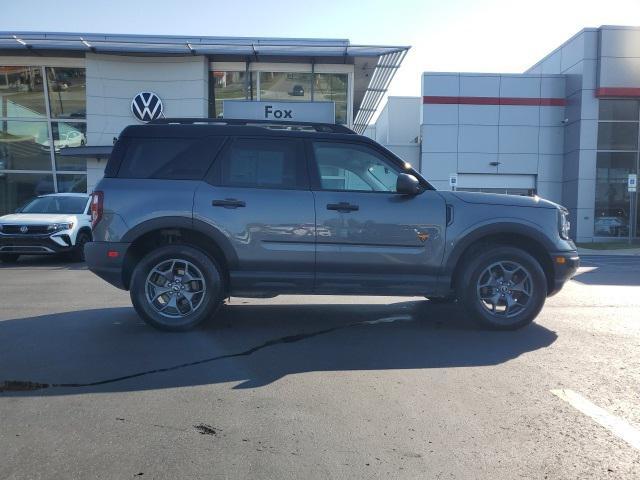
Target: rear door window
{"points": [[262, 163], [169, 158]]}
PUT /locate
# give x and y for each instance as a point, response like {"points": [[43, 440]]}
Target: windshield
{"points": [[55, 205]]}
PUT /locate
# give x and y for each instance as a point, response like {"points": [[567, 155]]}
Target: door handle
{"points": [[343, 207], [228, 203]]}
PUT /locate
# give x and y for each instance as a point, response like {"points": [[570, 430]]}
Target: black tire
{"points": [[77, 255], [482, 269], [9, 257], [144, 285]]}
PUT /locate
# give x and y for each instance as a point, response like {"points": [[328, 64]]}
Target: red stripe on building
{"points": [[618, 92], [536, 102]]}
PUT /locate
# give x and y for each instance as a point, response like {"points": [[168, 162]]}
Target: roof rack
{"points": [[274, 124]]}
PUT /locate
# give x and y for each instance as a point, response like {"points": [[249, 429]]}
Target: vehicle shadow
{"points": [[50, 262], [110, 350]]}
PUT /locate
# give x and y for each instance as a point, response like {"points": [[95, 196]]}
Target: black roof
{"points": [[199, 127]]}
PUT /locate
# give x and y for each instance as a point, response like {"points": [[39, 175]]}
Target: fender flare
{"points": [[477, 232], [187, 223]]}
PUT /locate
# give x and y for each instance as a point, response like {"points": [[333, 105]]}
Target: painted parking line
{"points": [[616, 425]]}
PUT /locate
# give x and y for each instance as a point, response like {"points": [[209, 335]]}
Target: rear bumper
{"points": [[565, 265], [32, 245], [106, 260]]}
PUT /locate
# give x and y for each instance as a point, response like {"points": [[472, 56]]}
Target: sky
{"points": [[445, 35]]}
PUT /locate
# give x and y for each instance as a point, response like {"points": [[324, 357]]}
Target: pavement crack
{"points": [[23, 386]]}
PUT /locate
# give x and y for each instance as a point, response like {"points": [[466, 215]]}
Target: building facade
{"points": [[68, 90], [566, 129]]}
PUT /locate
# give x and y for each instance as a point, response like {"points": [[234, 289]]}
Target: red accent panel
{"points": [[549, 102], [618, 92]]}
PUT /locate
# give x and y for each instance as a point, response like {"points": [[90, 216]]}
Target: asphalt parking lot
{"points": [[317, 387]]}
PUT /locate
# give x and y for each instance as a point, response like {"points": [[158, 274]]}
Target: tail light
{"points": [[97, 203]]}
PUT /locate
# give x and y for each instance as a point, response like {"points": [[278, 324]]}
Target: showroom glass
{"points": [[24, 145], [21, 92], [285, 86], [17, 188], [69, 135], [344, 166], [332, 87], [230, 86], [29, 140], [261, 163], [69, 183], [617, 157], [67, 92]]}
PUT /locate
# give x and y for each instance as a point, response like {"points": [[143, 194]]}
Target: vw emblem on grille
{"points": [[146, 106], [24, 229]]}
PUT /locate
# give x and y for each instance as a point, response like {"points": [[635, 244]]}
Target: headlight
{"points": [[57, 227], [564, 225]]}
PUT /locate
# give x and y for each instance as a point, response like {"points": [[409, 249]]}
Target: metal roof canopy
{"points": [[367, 95]]}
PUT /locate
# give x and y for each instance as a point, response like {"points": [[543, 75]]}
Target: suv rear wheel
{"points": [[503, 287], [176, 287]]}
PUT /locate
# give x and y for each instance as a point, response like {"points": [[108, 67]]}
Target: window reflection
{"points": [[21, 92], [69, 135], [230, 86], [72, 183], [612, 197], [17, 188], [24, 145], [285, 86], [67, 92], [332, 87]]}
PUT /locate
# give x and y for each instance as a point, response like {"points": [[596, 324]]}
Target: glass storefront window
{"points": [[285, 86], [17, 188], [24, 145], [72, 183], [67, 92], [332, 87], [231, 86], [21, 92], [619, 109], [612, 198], [618, 136], [66, 134]]}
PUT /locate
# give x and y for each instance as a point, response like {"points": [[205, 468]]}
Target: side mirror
{"points": [[407, 184]]}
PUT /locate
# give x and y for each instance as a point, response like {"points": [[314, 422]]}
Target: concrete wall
{"points": [[398, 128], [467, 129], [113, 81], [577, 59]]}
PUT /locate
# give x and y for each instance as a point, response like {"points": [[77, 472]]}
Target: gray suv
{"points": [[191, 211]]}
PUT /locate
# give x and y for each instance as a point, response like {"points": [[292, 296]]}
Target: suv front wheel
{"points": [[176, 287], [503, 287]]}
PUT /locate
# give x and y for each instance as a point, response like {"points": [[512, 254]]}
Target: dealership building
{"points": [[566, 129], [60, 90]]}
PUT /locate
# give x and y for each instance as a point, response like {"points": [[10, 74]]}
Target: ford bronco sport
{"points": [[191, 211]]}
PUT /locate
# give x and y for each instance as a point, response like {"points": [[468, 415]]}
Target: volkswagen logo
{"points": [[146, 106], [24, 229]]}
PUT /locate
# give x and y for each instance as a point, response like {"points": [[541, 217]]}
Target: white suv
{"points": [[48, 224]]}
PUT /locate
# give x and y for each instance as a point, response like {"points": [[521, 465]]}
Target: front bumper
{"points": [[565, 265], [33, 244], [106, 260]]}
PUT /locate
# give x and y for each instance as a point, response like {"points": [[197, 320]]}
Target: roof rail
{"points": [[318, 127]]}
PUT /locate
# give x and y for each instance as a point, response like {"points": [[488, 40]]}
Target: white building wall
{"points": [[468, 128], [577, 59], [113, 81], [398, 128]]}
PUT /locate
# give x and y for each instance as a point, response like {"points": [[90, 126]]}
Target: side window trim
{"points": [[316, 180], [232, 139]]}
